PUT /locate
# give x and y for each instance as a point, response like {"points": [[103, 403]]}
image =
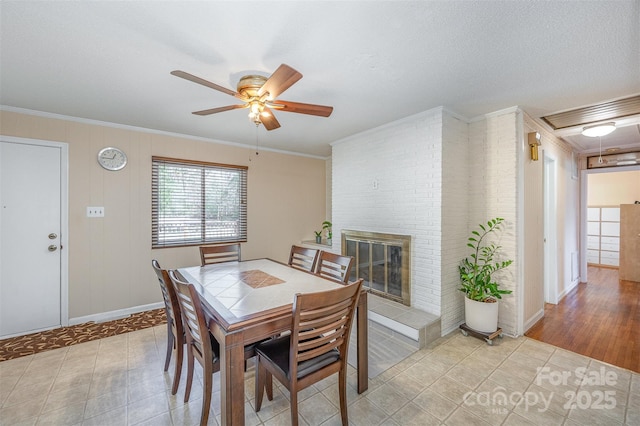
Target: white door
{"points": [[30, 237]]}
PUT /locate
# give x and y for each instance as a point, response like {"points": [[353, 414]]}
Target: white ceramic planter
{"points": [[481, 316]]}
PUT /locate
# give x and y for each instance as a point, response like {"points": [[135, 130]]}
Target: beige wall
{"points": [[109, 258], [612, 189], [533, 265], [566, 215]]}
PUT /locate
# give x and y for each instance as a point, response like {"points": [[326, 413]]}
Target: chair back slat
{"points": [[193, 318], [317, 346], [303, 258], [219, 253], [334, 267], [171, 304], [322, 322]]}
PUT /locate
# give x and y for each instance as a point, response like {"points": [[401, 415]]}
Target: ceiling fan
{"points": [[259, 95]]}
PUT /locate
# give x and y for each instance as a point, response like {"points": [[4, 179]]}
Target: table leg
{"points": [[363, 343], [232, 379]]}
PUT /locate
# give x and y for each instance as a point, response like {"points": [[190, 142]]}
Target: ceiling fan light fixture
{"points": [[254, 109], [601, 129], [258, 94], [254, 113]]}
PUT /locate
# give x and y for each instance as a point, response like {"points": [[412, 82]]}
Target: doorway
{"points": [[33, 236], [620, 190]]}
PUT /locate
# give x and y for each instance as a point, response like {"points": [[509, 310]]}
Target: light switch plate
{"points": [[95, 211]]}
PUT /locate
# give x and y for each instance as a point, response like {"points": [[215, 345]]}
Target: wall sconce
{"points": [[534, 141]]}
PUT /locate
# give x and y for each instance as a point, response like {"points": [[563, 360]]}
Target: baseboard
{"points": [[113, 315], [567, 290], [534, 319], [451, 329], [405, 330]]}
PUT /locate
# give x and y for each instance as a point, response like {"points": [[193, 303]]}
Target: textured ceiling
{"points": [[374, 62]]}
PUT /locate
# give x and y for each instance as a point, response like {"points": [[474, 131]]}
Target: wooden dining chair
{"points": [[316, 348], [175, 330], [334, 267], [303, 258], [219, 253], [201, 345]]}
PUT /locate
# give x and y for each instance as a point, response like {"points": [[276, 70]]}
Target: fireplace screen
{"points": [[382, 261]]}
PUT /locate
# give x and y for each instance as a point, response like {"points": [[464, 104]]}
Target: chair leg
{"points": [[293, 399], [268, 384], [187, 390], [170, 343], [259, 383], [178, 370], [206, 396], [342, 385]]}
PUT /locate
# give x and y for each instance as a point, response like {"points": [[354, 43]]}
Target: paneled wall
{"points": [[110, 257], [533, 285], [567, 223]]}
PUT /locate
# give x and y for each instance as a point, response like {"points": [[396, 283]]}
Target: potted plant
{"points": [[476, 276], [327, 225], [318, 236]]}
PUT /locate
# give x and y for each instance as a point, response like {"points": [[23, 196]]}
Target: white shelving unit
{"points": [[603, 235]]}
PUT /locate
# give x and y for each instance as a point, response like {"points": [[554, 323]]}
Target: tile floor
{"points": [[458, 381]]}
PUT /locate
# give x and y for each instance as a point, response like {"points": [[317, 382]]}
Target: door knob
{"points": [[53, 236], [52, 247]]}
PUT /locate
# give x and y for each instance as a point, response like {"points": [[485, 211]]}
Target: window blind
{"points": [[197, 203]]}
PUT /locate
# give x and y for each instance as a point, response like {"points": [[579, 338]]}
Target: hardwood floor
{"points": [[599, 319]]}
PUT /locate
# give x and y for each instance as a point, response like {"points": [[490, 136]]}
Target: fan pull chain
{"points": [[257, 124]]}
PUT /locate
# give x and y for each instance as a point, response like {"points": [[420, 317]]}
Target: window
{"points": [[196, 203]]}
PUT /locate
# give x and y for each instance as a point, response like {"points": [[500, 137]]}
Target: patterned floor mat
{"points": [[29, 344]]}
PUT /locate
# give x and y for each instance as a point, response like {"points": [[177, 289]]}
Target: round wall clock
{"points": [[112, 158]]}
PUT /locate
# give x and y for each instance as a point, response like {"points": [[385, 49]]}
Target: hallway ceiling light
{"points": [[602, 129]]}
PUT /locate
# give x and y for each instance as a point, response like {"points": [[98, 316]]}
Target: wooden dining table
{"points": [[246, 302]]}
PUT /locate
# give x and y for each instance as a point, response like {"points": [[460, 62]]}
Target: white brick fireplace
{"points": [[413, 177]]}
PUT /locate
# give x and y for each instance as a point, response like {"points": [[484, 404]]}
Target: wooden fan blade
{"points": [[300, 108], [206, 83], [283, 78], [269, 121], [219, 109]]}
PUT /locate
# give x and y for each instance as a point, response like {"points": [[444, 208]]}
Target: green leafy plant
{"points": [[476, 271], [318, 233], [327, 225]]}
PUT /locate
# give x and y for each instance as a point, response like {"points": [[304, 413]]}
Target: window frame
{"points": [[191, 240]]}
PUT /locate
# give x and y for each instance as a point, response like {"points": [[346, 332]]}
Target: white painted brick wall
{"points": [[455, 216], [437, 177], [404, 158], [493, 193]]}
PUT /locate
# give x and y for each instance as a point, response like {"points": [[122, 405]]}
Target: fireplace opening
{"points": [[382, 261]]}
